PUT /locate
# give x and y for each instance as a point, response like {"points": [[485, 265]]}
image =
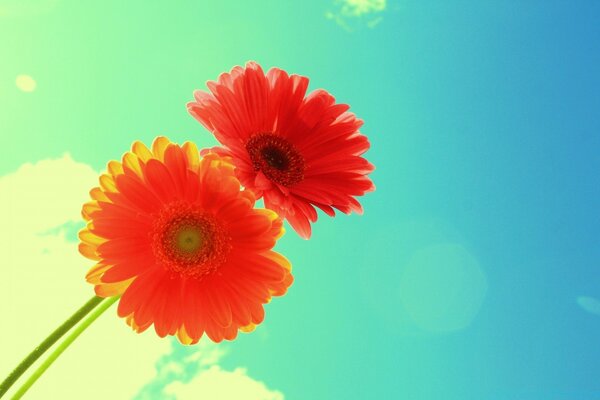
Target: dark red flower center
{"points": [[188, 241], [276, 157]]}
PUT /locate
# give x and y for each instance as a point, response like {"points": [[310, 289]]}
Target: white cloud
{"points": [[350, 12], [216, 383], [207, 354], [193, 373], [43, 283], [357, 8]]}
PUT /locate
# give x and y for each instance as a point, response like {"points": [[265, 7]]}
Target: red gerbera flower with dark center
{"points": [[276, 158], [298, 151]]}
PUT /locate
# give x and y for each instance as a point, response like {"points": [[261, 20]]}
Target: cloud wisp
{"points": [[352, 14], [193, 372]]}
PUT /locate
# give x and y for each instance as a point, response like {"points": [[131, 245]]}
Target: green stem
{"points": [[63, 346], [47, 343]]}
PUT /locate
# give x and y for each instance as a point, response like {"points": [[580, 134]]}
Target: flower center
{"points": [[188, 241], [277, 158]]}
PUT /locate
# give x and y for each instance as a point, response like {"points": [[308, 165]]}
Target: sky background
{"points": [[474, 272]]}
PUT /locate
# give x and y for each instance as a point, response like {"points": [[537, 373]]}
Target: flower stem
{"points": [[47, 343], [63, 346]]}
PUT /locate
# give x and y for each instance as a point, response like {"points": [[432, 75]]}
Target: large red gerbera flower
{"points": [[297, 151], [173, 234]]}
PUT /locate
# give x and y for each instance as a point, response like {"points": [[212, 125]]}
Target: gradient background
{"points": [[474, 272]]}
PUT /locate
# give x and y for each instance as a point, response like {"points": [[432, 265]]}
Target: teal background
{"points": [[461, 279]]}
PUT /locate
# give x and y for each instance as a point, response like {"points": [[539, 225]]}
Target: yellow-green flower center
{"points": [[188, 241]]}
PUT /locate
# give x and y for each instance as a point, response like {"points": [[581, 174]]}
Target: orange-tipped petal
{"points": [[173, 234]]}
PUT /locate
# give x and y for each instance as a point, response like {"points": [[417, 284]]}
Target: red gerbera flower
{"points": [[297, 151], [173, 234]]}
